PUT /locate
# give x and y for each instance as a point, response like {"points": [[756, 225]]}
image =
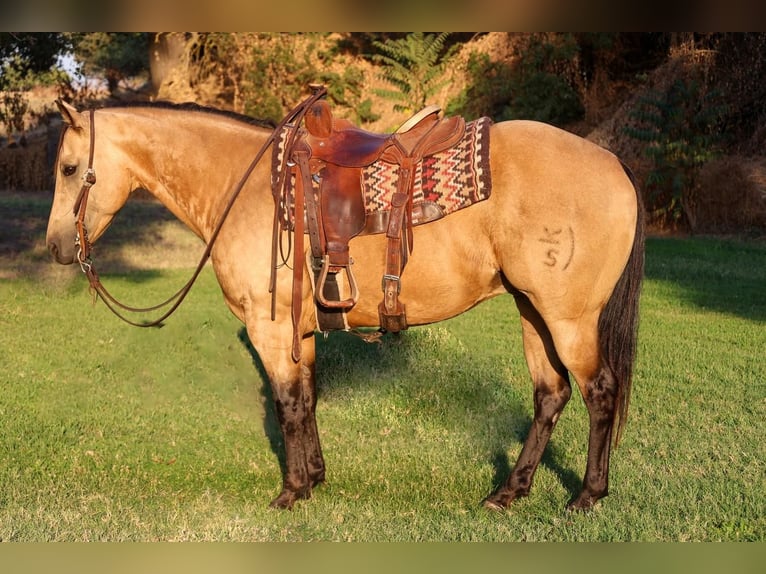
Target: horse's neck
{"points": [[192, 165]]}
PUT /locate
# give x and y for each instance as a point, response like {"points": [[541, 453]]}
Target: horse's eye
{"points": [[68, 170]]}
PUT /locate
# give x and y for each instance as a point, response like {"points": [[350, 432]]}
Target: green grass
{"points": [[108, 432]]}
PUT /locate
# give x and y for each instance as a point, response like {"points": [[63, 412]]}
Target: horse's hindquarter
{"points": [[564, 215]]}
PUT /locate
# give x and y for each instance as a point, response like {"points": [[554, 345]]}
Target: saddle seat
{"points": [[339, 142]]}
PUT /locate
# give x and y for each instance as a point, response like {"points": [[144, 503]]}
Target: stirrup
{"points": [[346, 303]]}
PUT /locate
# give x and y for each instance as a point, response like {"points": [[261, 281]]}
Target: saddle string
{"points": [[83, 243]]}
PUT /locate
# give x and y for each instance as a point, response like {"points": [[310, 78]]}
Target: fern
{"points": [[414, 66]]}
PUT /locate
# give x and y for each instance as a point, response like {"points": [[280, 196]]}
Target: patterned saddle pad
{"points": [[443, 183]]}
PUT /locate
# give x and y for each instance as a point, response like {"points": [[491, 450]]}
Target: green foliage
{"points": [[37, 51], [681, 128], [347, 90], [116, 56], [542, 88], [415, 66], [489, 87], [27, 60], [27, 57], [538, 85], [289, 70], [276, 77], [265, 74], [17, 79], [13, 106]]}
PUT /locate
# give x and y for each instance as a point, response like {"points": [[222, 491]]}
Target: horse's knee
{"points": [[289, 406]]}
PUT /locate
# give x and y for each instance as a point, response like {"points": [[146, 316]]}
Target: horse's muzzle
{"points": [[58, 255]]}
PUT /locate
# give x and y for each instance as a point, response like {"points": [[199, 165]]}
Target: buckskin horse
{"points": [[562, 232]]}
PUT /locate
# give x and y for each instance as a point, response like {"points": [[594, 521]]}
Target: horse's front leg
{"points": [[313, 448], [294, 391]]}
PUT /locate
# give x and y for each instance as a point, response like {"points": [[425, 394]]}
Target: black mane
{"points": [[194, 107]]}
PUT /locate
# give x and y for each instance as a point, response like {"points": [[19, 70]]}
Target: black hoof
{"points": [[501, 499], [584, 502], [286, 499], [492, 505]]}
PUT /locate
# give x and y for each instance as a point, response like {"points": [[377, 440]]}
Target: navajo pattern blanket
{"points": [[450, 180]]}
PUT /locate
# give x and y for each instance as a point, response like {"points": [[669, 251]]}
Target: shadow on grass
{"points": [[270, 420], [136, 240], [724, 275], [569, 479], [357, 359]]}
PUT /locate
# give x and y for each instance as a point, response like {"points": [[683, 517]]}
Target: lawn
{"points": [[108, 432]]}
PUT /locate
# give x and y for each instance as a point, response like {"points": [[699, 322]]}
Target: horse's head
{"points": [[107, 195]]}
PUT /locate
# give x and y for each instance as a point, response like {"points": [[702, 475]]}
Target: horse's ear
{"points": [[68, 112]]}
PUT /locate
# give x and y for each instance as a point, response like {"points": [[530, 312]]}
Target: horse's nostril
{"points": [[59, 253]]}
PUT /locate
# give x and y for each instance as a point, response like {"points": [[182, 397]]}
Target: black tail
{"points": [[618, 323]]}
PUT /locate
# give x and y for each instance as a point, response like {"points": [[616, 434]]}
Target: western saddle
{"points": [[326, 161]]}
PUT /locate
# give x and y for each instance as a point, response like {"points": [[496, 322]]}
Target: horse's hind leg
{"points": [[551, 394], [599, 391], [599, 388]]}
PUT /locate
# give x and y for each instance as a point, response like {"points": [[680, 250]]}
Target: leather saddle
{"points": [[328, 158]]}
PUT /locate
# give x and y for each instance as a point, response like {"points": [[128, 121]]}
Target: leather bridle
{"points": [[84, 247], [88, 179]]}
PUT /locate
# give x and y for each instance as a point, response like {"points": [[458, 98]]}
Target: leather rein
{"points": [[84, 247]]}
